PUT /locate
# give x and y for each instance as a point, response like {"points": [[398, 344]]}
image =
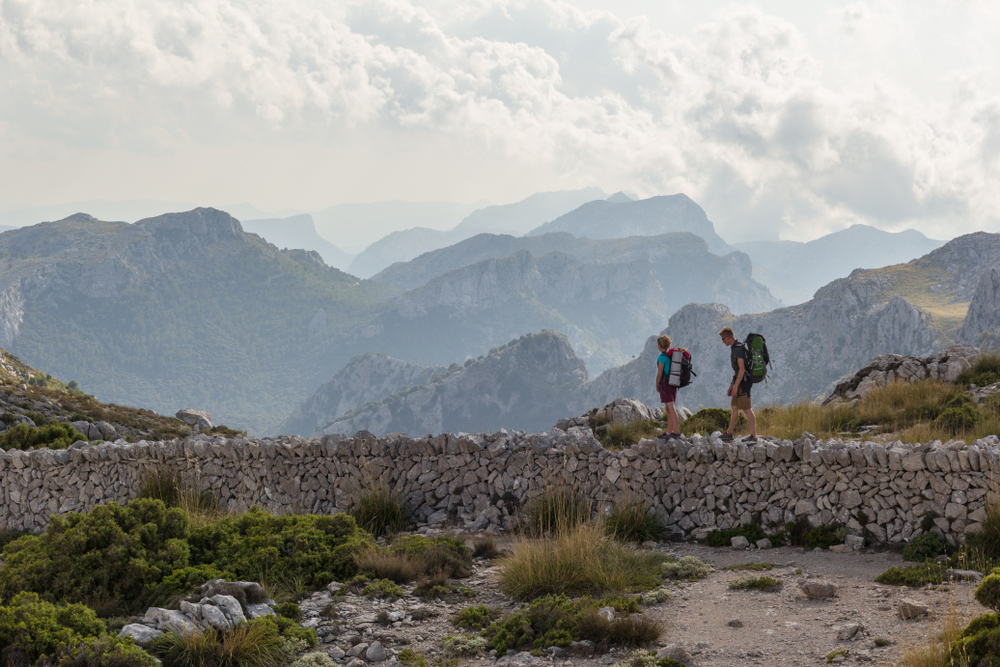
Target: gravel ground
{"points": [[717, 626]]}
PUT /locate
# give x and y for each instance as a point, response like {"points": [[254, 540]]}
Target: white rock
{"points": [[910, 609], [140, 634], [739, 542]]}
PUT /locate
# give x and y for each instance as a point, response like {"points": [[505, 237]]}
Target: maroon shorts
{"points": [[668, 396]]}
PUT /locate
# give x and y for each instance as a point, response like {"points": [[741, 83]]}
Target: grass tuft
{"points": [[380, 511], [632, 520], [755, 583], [251, 644], [579, 561], [555, 509], [485, 546]]}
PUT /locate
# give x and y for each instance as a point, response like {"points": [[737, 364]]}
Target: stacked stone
{"points": [[478, 481]]}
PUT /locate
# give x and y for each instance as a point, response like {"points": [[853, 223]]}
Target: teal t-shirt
{"points": [[665, 360]]}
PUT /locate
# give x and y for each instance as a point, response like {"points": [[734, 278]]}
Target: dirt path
{"points": [[718, 626]]}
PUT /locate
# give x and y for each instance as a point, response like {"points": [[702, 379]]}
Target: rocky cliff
{"points": [[366, 378], [521, 386], [645, 217], [981, 326]]}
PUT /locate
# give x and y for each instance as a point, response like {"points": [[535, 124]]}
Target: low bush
{"points": [[485, 546], [289, 610], [314, 659], [654, 597], [632, 520], [988, 591], [408, 657], [558, 621], [104, 651], [620, 435], [31, 627], [688, 567], [580, 561], [986, 541], [382, 589], [924, 546], [979, 643], [723, 538], [554, 510], [432, 555], [644, 658], [800, 533], [475, 617], [985, 371], [380, 511], [117, 553], [257, 546], [912, 575], [755, 583], [759, 567], [53, 435], [256, 643], [463, 645], [708, 420]]}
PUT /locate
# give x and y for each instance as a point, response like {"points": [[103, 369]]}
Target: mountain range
{"points": [[793, 271], [517, 218], [298, 231]]}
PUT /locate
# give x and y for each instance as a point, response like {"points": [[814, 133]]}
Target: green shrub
{"points": [[688, 567], [289, 610], [257, 546], [475, 617], [988, 591], [723, 538], [658, 596], [985, 371], [979, 643], [924, 546], [555, 509], [382, 589], [802, 534], [463, 645], [181, 582], [116, 554], [32, 627], [632, 520], [291, 630], [957, 420], [986, 540], [408, 657], [380, 511], [314, 659], [557, 621], [54, 435], [643, 658], [256, 643], [756, 583], [104, 651], [912, 575]]}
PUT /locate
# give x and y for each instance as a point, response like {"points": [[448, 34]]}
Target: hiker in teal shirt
{"points": [[668, 394]]}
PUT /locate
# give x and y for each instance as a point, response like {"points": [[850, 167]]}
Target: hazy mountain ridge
{"points": [[793, 271], [645, 217], [518, 218], [519, 387], [298, 231], [182, 310], [605, 307]]}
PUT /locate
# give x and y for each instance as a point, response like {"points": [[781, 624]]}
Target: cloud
{"points": [[736, 116]]}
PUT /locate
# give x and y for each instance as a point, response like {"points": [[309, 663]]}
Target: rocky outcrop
{"points": [[365, 379], [527, 385], [645, 217], [885, 368], [982, 321], [199, 420]]}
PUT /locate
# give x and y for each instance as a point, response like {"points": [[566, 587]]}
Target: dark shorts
{"points": [[668, 396]]}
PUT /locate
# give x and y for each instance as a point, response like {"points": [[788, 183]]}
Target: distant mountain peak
{"points": [[619, 197]]}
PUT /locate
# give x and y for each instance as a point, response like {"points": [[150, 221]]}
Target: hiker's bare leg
{"points": [[752, 420], [732, 420], [672, 427]]}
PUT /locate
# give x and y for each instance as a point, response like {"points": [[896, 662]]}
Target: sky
{"points": [[783, 119]]}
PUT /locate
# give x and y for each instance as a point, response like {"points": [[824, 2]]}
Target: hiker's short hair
{"points": [[663, 341], [727, 332]]}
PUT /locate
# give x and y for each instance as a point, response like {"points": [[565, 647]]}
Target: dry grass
{"points": [[555, 509], [248, 645], [396, 567], [380, 510], [576, 561], [620, 435], [167, 484], [900, 410], [935, 651], [631, 519]]}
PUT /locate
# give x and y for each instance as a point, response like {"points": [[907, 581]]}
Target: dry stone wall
{"points": [[478, 481]]}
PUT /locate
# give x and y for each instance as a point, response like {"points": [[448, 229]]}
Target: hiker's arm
{"points": [[659, 374]]}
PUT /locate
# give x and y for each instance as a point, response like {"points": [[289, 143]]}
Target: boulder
{"points": [[911, 609], [199, 420], [818, 590], [140, 634], [676, 652], [168, 620]]}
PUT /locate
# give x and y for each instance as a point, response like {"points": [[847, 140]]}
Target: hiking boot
{"points": [[675, 436], [751, 439], [666, 436], [726, 437]]}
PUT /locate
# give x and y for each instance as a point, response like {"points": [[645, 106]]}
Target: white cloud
{"points": [[736, 116]]}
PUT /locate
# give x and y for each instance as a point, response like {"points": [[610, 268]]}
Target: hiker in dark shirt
{"points": [[739, 388], [668, 394]]}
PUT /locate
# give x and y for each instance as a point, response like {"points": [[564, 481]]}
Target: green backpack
{"points": [[759, 357]]}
